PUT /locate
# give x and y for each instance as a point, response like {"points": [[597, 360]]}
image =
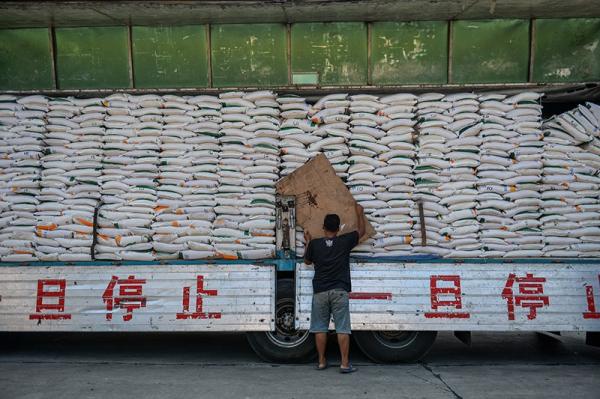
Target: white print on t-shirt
{"points": [[329, 243]]}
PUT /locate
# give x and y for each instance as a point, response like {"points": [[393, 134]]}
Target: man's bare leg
{"points": [[321, 340], [344, 343]]}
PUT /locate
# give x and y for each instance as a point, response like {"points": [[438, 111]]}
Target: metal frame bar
{"points": [[265, 262], [52, 39], [271, 262], [130, 56], [288, 52], [532, 42], [459, 261], [369, 53], [450, 52], [209, 72], [320, 89]]}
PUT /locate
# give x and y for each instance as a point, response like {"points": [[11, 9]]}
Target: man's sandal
{"points": [[321, 367], [348, 370]]}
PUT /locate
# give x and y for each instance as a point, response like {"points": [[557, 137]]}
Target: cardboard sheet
{"points": [[319, 191]]}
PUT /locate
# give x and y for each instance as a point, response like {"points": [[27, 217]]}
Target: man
{"points": [[331, 284]]}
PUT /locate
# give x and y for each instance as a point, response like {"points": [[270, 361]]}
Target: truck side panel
{"points": [[200, 297], [470, 297]]}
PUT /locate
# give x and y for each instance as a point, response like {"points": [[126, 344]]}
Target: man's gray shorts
{"points": [[324, 304]]}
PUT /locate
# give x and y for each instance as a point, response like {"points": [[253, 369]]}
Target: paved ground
{"points": [[222, 366]]}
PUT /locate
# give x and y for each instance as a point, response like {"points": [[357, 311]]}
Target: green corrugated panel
{"points": [[25, 59], [170, 56], [336, 51], [409, 52], [567, 50], [249, 55], [493, 51], [92, 58]]}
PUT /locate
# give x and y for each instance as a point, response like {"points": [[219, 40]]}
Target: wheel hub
{"points": [[285, 322], [285, 334]]}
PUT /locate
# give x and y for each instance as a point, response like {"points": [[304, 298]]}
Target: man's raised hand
{"points": [[307, 237]]}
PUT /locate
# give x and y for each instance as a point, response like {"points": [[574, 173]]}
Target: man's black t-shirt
{"points": [[331, 257]]}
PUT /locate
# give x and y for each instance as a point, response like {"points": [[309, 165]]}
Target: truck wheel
{"points": [[285, 344], [394, 346]]}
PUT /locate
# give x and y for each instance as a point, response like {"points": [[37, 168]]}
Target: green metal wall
{"points": [[335, 51], [171, 56], [409, 53], [249, 55], [25, 59], [279, 55], [92, 58], [493, 51], [566, 50]]}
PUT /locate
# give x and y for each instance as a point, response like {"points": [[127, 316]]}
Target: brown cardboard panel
{"points": [[319, 191]]}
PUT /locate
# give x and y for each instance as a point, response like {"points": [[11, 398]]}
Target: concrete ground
{"points": [[148, 366]]}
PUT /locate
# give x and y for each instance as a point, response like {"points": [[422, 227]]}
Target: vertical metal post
{"points": [[130, 55], [422, 223], [532, 33], [95, 232], [288, 30], [369, 53], [209, 54], [450, 44], [52, 39]]}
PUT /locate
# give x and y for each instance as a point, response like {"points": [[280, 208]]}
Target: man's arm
{"points": [[307, 251], [360, 216]]}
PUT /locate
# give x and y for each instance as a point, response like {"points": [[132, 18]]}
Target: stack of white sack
{"points": [[493, 175], [248, 166], [330, 113], [22, 128], [188, 178], [71, 169], [300, 242], [381, 170], [590, 111], [172, 227], [194, 177], [460, 128], [129, 177], [524, 122], [432, 159], [295, 133], [362, 181], [571, 183], [259, 226]]}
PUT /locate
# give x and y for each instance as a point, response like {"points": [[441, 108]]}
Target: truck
{"points": [[397, 305], [58, 49]]}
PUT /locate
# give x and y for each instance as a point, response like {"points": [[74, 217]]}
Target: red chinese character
{"points": [[589, 293], [129, 298], [50, 289], [530, 294], [200, 292], [452, 291]]}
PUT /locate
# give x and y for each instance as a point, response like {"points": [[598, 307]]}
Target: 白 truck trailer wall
{"points": [[409, 295], [303, 54], [138, 296], [472, 295]]}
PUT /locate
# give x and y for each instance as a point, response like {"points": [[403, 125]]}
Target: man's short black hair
{"points": [[331, 223]]}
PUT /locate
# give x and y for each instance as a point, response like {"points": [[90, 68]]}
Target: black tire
{"points": [[285, 344], [394, 346]]}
